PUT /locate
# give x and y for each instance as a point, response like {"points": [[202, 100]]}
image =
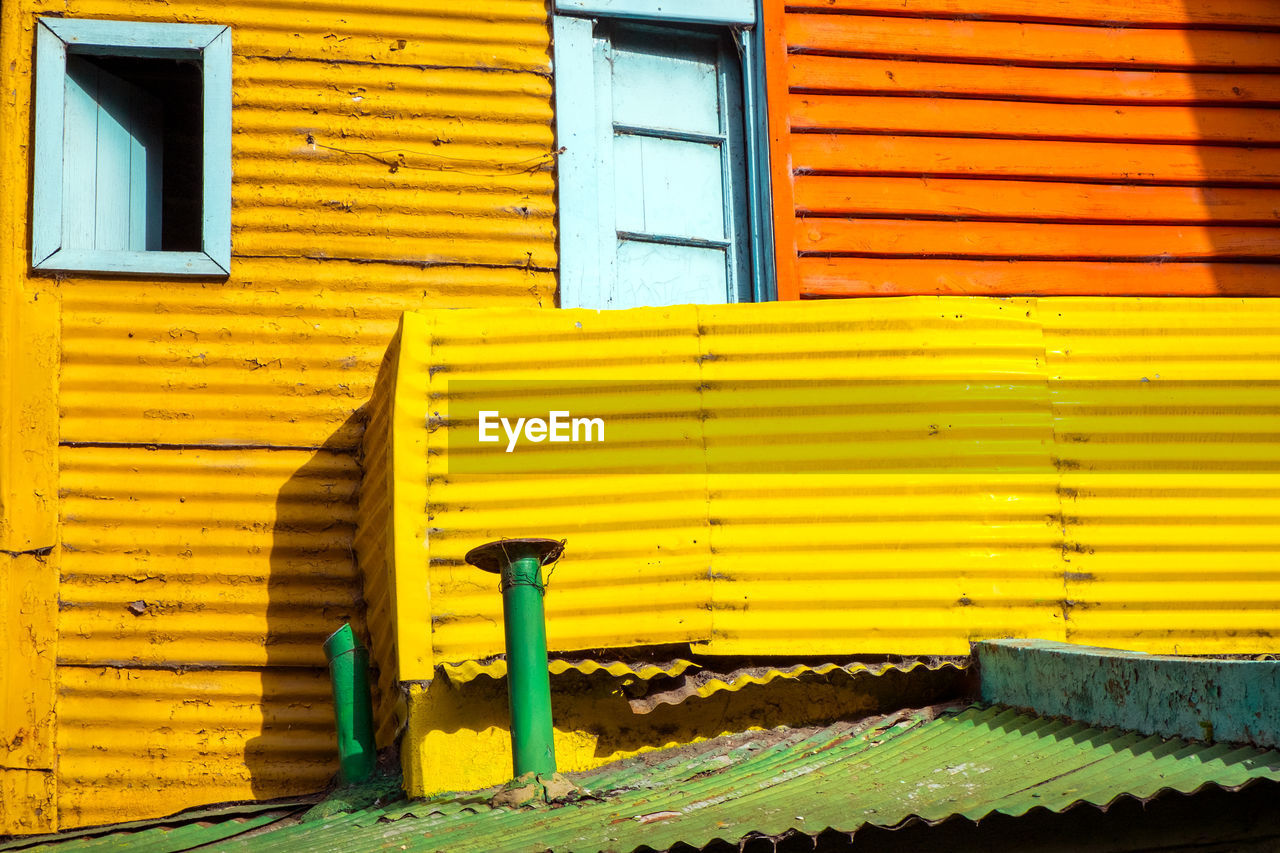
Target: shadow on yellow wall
{"points": [[312, 588], [458, 736]]}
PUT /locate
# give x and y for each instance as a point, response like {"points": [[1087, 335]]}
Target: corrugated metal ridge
{"points": [[183, 831], [1141, 512], [707, 682], [464, 671], [700, 679], [886, 772]]}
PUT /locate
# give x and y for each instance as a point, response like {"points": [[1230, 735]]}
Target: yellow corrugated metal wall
{"points": [[1169, 486], [387, 155], [1136, 507], [394, 155]]}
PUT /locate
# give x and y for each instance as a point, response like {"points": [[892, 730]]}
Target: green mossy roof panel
{"points": [[971, 763]]}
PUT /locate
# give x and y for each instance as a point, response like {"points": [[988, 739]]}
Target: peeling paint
{"points": [[1233, 700]]}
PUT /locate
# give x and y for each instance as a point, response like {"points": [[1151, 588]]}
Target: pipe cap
{"points": [[496, 556]]}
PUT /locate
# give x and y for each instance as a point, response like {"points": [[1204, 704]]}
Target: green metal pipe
{"points": [[519, 563], [352, 707]]}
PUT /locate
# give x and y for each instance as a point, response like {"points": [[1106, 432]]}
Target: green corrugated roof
{"points": [[190, 830], [971, 763]]}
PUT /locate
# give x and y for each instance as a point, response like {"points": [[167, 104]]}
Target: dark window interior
{"points": [[177, 85]]}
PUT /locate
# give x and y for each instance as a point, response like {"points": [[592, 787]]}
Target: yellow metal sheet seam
{"points": [[411, 541]]}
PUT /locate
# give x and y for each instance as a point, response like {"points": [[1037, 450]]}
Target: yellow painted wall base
{"points": [[458, 737], [28, 678], [27, 801]]}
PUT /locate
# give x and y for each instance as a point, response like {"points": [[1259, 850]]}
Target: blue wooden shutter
{"points": [[112, 162]]}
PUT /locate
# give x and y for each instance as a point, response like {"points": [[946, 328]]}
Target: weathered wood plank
{"points": [[1009, 43], [826, 277], [971, 117], [811, 72], [1043, 160], [1034, 239]]}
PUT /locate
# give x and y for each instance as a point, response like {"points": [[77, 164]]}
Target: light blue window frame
{"points": [[210, 45], [572, 30]]}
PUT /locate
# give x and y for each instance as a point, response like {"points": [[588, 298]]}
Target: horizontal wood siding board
{"points": [[998, 119], [954, 198], [1029, 160], [827, 277], [1155, 13], [885, 238], [1043, 45], [1018, 147], [919, 77]]}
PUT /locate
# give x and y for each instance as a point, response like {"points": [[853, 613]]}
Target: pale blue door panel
{"points": [[660, 274], [113, 152], [666, 82], [669, 187], [628, 183]]}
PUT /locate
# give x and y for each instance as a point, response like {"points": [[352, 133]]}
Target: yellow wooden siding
{"points": [[1142, 519], [386, 156], [28, 411], [510, 35]]}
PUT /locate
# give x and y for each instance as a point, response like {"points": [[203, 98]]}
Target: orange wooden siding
{"points": [[1010, 146]]}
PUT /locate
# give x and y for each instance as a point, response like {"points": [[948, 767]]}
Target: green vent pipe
{"points": [[519, 562], [352, 708]]}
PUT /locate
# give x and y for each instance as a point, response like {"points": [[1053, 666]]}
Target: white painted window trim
{"points": [[720, 12], [578, 177]]}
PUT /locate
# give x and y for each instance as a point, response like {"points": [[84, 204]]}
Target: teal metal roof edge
{"points": [[1226, 699]]}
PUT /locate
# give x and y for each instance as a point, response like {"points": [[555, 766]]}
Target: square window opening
{"points": [[132, 161], [148, 126]]}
